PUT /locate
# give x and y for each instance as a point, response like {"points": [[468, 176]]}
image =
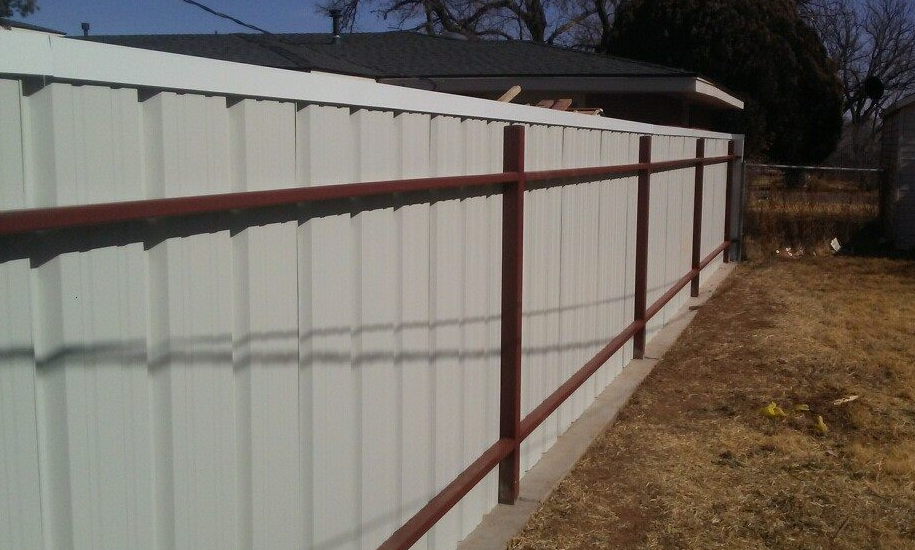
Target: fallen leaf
{"points": [[845, 400], [821, 426], [772, 410]]}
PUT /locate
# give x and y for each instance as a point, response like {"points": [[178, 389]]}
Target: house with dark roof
{"points": [[617, 87]]}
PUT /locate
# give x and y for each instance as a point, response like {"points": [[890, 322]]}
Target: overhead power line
{"points": [[292, 50], [227, 16]]}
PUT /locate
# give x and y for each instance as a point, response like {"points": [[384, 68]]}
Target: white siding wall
{"points": [[899, 161], [310, 379]]}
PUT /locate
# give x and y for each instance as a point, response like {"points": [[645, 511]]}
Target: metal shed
{"points": [[898, 157]]}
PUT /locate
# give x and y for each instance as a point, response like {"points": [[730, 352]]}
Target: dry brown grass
{"points": [[804, 220], [692, 463]]}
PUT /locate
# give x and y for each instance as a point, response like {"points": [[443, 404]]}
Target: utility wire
{"points": [[290, 55], [227, 16]]}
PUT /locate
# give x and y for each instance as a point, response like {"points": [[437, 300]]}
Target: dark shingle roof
{"points": [[27, 26], [394, 54]]}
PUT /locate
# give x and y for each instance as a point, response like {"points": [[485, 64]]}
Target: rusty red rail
{"points": [[63, 217], [422, 521], [596, 171], [512, 428], [551, 403]]}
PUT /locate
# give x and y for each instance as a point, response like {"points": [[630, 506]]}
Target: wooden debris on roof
{"points": [[565, 104], [558, 104], [510, 94], [596, 111]]}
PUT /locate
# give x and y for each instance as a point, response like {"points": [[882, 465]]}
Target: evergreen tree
{"points": [[762, 51]]}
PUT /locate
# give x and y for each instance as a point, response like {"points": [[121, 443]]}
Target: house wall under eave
{"points": [[898, 156]]}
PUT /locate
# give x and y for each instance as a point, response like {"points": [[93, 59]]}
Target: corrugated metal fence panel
{"points": [[670, 226], [414, 330], [265, 334], [713, 192], [463, 355], [657, 232], [198, 402], [89, 324], [540, 308], [573, 306], [680, 188], [20, 510], [578, 229], [622, 198], [299, 377], [481, 330], [452, 403]]}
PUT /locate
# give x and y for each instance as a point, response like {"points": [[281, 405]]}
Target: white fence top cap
{"points": [[68, 60]]}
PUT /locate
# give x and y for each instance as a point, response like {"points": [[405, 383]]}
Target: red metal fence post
{"points": [[727, 201], [512, 276], [641, 246], [697, 218]]}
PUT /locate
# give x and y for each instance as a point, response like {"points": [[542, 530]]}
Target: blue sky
{"points": [[174, 16]]}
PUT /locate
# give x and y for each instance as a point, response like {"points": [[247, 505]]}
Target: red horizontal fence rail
{"points": [[13, 222], [504, 453]]}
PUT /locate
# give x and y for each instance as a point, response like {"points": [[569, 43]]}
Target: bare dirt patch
{"points": [[693, 464]]}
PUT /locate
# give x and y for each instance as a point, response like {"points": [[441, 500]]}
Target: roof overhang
{"points": [[692, 88]]}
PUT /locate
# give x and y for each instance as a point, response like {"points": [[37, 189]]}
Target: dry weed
{"points": [[828, 206], [800, 221]]}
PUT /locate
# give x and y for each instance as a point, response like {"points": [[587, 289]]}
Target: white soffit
{"points": [[696, 88]]}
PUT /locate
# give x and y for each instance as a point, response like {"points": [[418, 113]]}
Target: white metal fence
{"points": [[304, 381]]}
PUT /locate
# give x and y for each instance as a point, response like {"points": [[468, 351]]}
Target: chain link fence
{"points": [[793, 211]]}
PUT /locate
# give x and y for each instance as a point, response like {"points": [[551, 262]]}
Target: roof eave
{"points": [[707, 88], [696, 88]]}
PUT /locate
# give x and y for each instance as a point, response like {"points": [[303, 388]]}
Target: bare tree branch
{"points": [[577, 23], [873, 39], [876, 39]]}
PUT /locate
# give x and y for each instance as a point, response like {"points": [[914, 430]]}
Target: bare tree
{"points": [[873, 44], [578, 23], [22, 7], [869, 41]]}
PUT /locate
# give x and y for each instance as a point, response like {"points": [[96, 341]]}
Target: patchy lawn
{"points": [[693, 464]]}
